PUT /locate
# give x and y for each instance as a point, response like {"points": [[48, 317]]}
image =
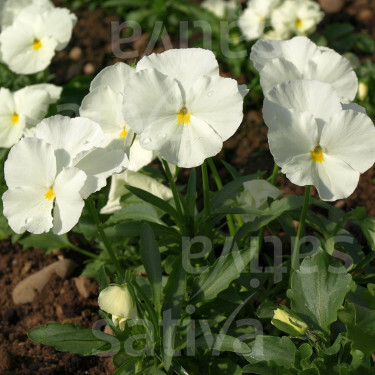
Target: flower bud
{"points": [[117, 301], [362, 90], [288, 322]]}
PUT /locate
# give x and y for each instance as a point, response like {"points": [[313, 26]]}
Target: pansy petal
{"points": [[185, 64], [150, 97], [59, 23], [115, 76], [335, 179], [69, 203], [139, 157], [69, 137], [217, 102], [98, 165], [53, 91], [350, 136], [104, 106], [33, 103], [294, 133], [317, 98], [137, 180], [264, 51], [300, 170], [332, 68], [27, 209], [354, 107], [31, 163], [277, 71]]}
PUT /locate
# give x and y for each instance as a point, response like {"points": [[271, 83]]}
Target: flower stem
{"points": [[172, 184], [82, 251], [206, 191], [301, 227], [107, 244], [219, 184], [275, 173]]}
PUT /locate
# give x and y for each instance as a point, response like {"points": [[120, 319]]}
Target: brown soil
{"points": [[59, 301], [89, 51]]}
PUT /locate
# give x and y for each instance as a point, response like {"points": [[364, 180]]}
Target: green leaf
{"points": [[277, 350], [152, 262], [73, 338], [45, 241], [276, 209], [222, 343], [174, 293], [154, 200], [219, 276], [135, 212], [318, 290], [360, 325]]}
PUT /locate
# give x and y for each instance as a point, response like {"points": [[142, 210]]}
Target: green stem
{"points": [[107, 244], [301, 227], [219, 184], [275, 173], [172, 184], [82, 251], [206, 191]]}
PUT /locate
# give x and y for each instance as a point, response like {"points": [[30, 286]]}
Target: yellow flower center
{"points": [[183, 116], [123, 133], [50, 194], [298, 23], [260, 19], [15, 118], [37, 44], [317, 154]]}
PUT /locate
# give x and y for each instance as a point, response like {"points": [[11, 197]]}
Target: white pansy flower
{"points": [[104, 105], [21, 110], [299, 58], [298, 17], [221, 8], [253, 20], [117, 301], [255, 196], [137, 180], [315, 141], [12, 8], [29, 44], [36, 187], [78, 143], [181, 107]]}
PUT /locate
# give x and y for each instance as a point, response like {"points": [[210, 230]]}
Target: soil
{"points": [[89, 51]]}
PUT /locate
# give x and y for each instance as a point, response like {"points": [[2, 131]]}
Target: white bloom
{"points": [[104, 105], [36, 187], [23, 109], [117, 301], [181, 107], [253, 20], [12, 8], [221, 8], [315, 141], [255, 195], [137, 180], [29, 44], [78, 143], [298, 17], [299, 58]]}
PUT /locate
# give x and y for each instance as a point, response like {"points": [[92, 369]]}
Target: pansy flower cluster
{"points": [[316, 135]]}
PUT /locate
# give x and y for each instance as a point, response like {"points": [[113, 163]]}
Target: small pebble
{"points": [[89, 68], [75, 53]]}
